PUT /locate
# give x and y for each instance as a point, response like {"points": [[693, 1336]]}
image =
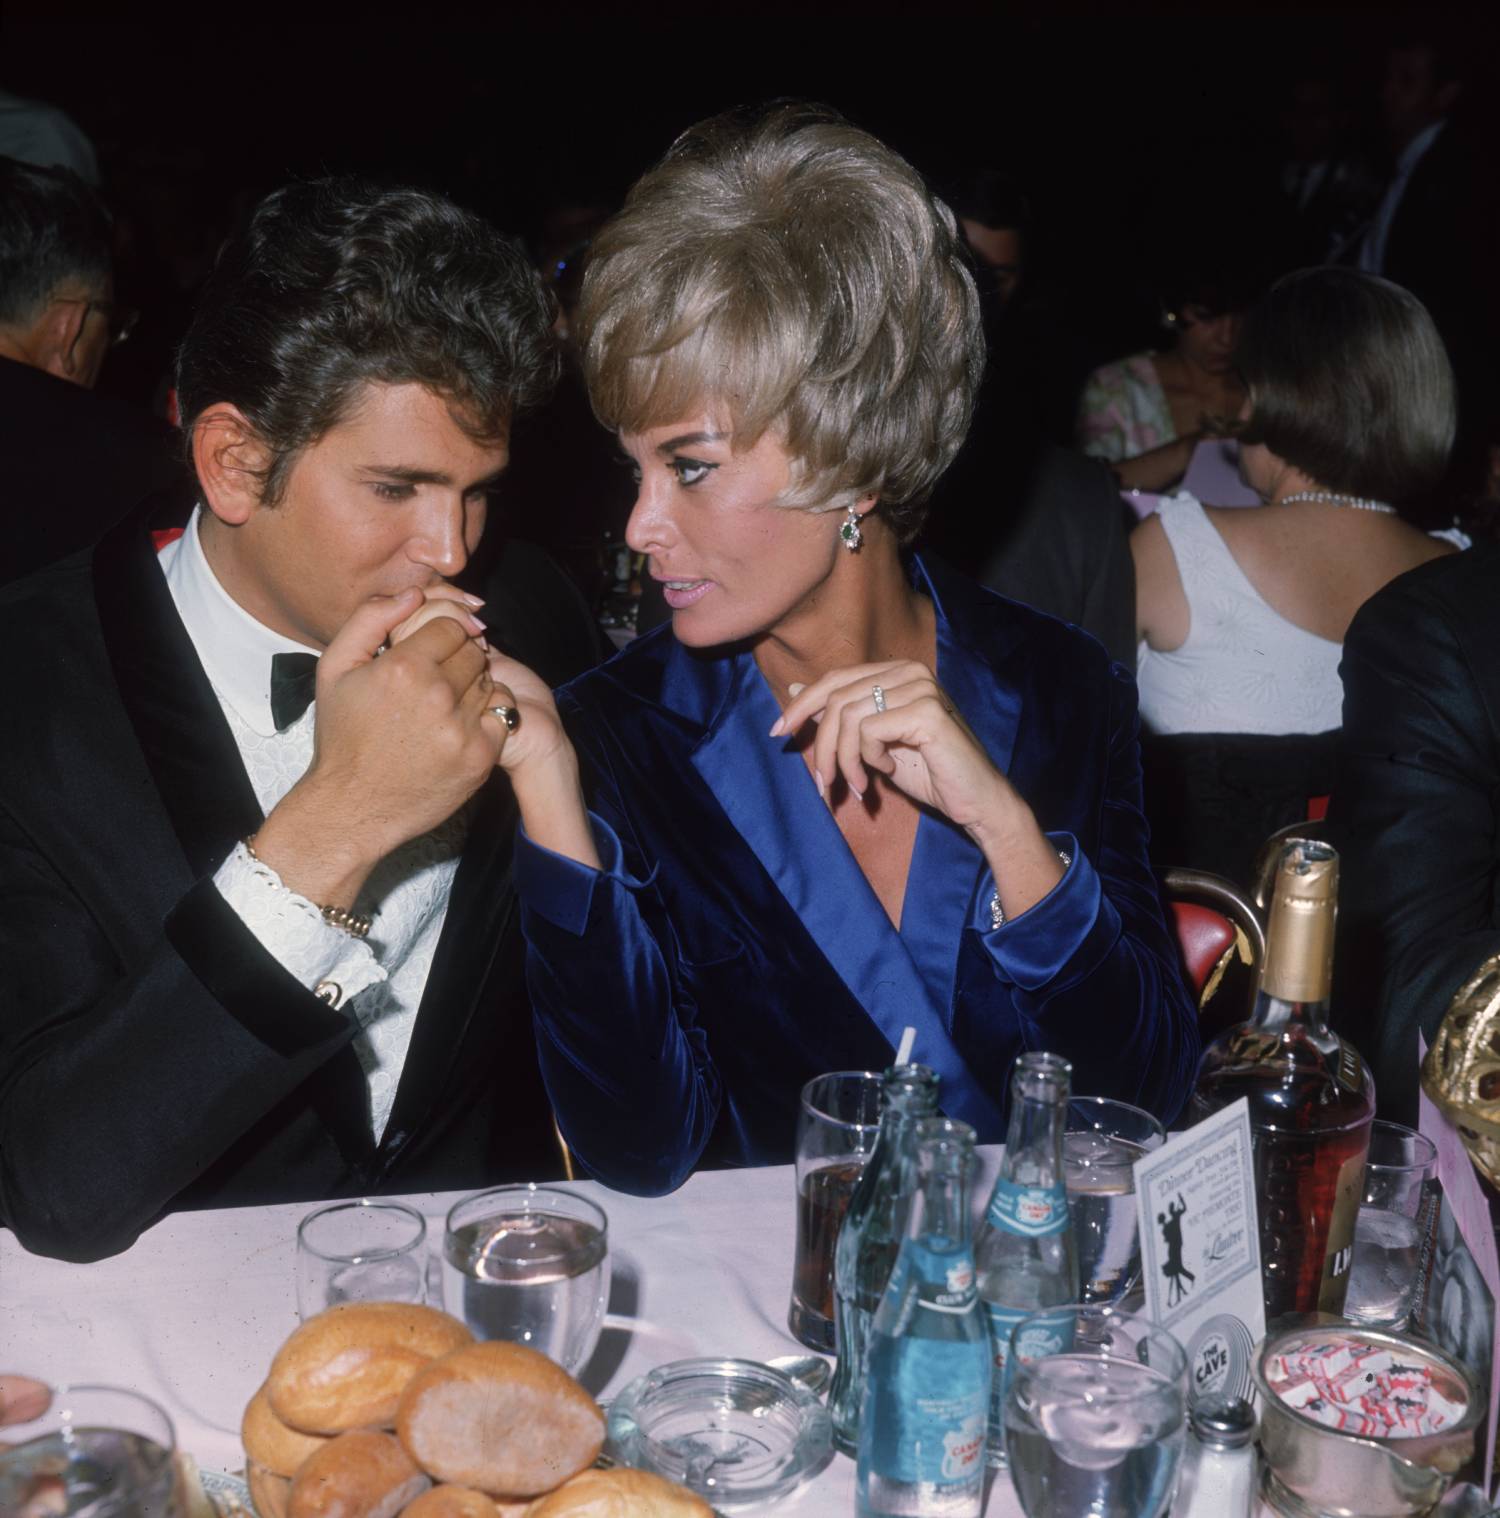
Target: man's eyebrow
{"points": [[687, 439], [410, 476]]}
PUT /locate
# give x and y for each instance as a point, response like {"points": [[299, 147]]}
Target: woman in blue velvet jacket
{"points": [[846, 792]]}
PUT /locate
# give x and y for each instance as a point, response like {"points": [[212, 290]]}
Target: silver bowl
{"points": [[1312, 1471]]}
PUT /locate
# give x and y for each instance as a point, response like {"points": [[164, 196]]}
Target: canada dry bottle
{"points": [[1026, 1255], [1311, 1096], [870, 1237], [921, 1430]]}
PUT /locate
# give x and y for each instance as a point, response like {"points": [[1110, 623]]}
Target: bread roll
{"points": [[619, 1493], [272, 1444], [458, 1502], [268, 1491], [347, 1367], [499, 1417], [361, 1474]]}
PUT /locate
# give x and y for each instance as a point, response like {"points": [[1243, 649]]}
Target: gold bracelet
{"points": [[355, 924]]}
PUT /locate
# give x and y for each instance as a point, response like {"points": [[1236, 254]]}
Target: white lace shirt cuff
{"points": [[291, 929]]}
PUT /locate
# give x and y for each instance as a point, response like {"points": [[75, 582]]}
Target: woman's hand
{"points": [[919, 742], [925, 748], [444, 600]]}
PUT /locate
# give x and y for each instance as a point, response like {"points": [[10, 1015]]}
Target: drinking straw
{"points": [[903, 1053]]}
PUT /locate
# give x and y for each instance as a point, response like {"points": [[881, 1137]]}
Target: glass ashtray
{"points": [[735, 1431]]}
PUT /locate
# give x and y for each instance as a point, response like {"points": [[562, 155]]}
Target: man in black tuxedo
{"points": [[190, 1013], [1416, 810], [72, 461]]}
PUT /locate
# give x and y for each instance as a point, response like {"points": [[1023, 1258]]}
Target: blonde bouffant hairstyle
{"points": [[786, 271]]}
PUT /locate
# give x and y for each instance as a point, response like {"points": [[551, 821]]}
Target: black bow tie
{"points": [[293, 680]]}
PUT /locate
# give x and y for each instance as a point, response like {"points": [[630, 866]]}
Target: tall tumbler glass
{"points": [[1103, 1140], [1098, 1428], [1392, 1237], [360, 1251], [837, 1124], [98, 1451]]}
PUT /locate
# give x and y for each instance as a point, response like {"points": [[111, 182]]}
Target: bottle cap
{"points": [[1223, 1422], [1299, 934]]}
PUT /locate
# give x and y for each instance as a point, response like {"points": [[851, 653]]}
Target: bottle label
{"points": [[1047, 1334], [1348, 1067], [1032, 1211], [1338, 1252], [955, 1293], [927, 1427]]}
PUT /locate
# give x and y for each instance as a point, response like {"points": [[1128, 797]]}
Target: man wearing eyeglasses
{"points": [[72, 461]]}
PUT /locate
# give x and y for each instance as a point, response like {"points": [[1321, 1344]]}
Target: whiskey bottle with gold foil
{"points": [[1311, 1095]]}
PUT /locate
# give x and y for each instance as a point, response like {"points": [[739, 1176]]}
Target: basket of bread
{"points": [[380, 1409]]}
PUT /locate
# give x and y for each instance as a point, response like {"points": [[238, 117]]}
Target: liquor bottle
{"points": [[1311, 1096], [871, 1236], [921, 1429], [1026, 1255]]}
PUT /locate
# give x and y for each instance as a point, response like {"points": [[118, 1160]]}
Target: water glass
{"points": [[1103, 1140], [97, 1451], [361, 1251], [529, 1264], [1099, 1427], [837, 1124], [1397, 1216]]}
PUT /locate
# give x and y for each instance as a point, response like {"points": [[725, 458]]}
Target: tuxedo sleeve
{"points": [[1414, 815], [1092, 966], [126, 1071]]}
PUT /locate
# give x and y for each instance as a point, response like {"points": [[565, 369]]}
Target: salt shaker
{"points": [[1218, 1461]]}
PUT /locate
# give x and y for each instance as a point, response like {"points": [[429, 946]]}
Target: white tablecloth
{"points": [[192, 1314]]}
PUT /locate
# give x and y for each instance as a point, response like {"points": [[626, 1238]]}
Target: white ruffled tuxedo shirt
{"points": [[379, 980]]}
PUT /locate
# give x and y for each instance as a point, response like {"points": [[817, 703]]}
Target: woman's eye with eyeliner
{"points": [[691, 471]]}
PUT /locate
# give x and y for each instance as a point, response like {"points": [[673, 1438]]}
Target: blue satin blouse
{"points": [[731, 947]]}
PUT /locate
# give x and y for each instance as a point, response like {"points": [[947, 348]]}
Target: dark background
{"points": [[1130, 131]]}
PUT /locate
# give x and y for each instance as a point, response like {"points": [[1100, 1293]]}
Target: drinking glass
{"points": [[529, 1264], [97, 1451], [1098, 1428], [360, 1251], [1397, 1214], [1103, 1140], [837, 1122]]}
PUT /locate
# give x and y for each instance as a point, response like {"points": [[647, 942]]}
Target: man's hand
{"points": [[398, 747]]}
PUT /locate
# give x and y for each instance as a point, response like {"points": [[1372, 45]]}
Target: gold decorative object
{"points": [[1461, 1073]]}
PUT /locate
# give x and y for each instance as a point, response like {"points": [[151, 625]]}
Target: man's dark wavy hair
{"points": [[53, 228], [339, 283]]}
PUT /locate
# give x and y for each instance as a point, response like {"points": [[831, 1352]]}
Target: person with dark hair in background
{"points": [[1349, 416], [259, 941], [1145, 414], [72, 461], [1031, 519], [1433, 231]]}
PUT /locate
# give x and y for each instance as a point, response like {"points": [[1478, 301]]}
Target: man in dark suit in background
{"points": [[1416, 810], [72, 462], [255, 949]]}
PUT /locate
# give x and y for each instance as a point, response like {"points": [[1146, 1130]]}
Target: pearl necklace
{"points": [[1333, 498]]}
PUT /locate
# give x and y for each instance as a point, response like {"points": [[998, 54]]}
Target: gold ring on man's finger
{"points": [[508, 715]]}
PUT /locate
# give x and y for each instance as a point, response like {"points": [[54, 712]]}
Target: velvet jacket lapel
{"points": [[765, 790], [192, 758], [176, 716], [482, 918]]}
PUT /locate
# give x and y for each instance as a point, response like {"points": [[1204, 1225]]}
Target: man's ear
{"points": [[54, 340], [231, 463]]}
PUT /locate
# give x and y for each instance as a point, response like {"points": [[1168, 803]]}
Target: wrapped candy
{"points": [[1366, 1389]]}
